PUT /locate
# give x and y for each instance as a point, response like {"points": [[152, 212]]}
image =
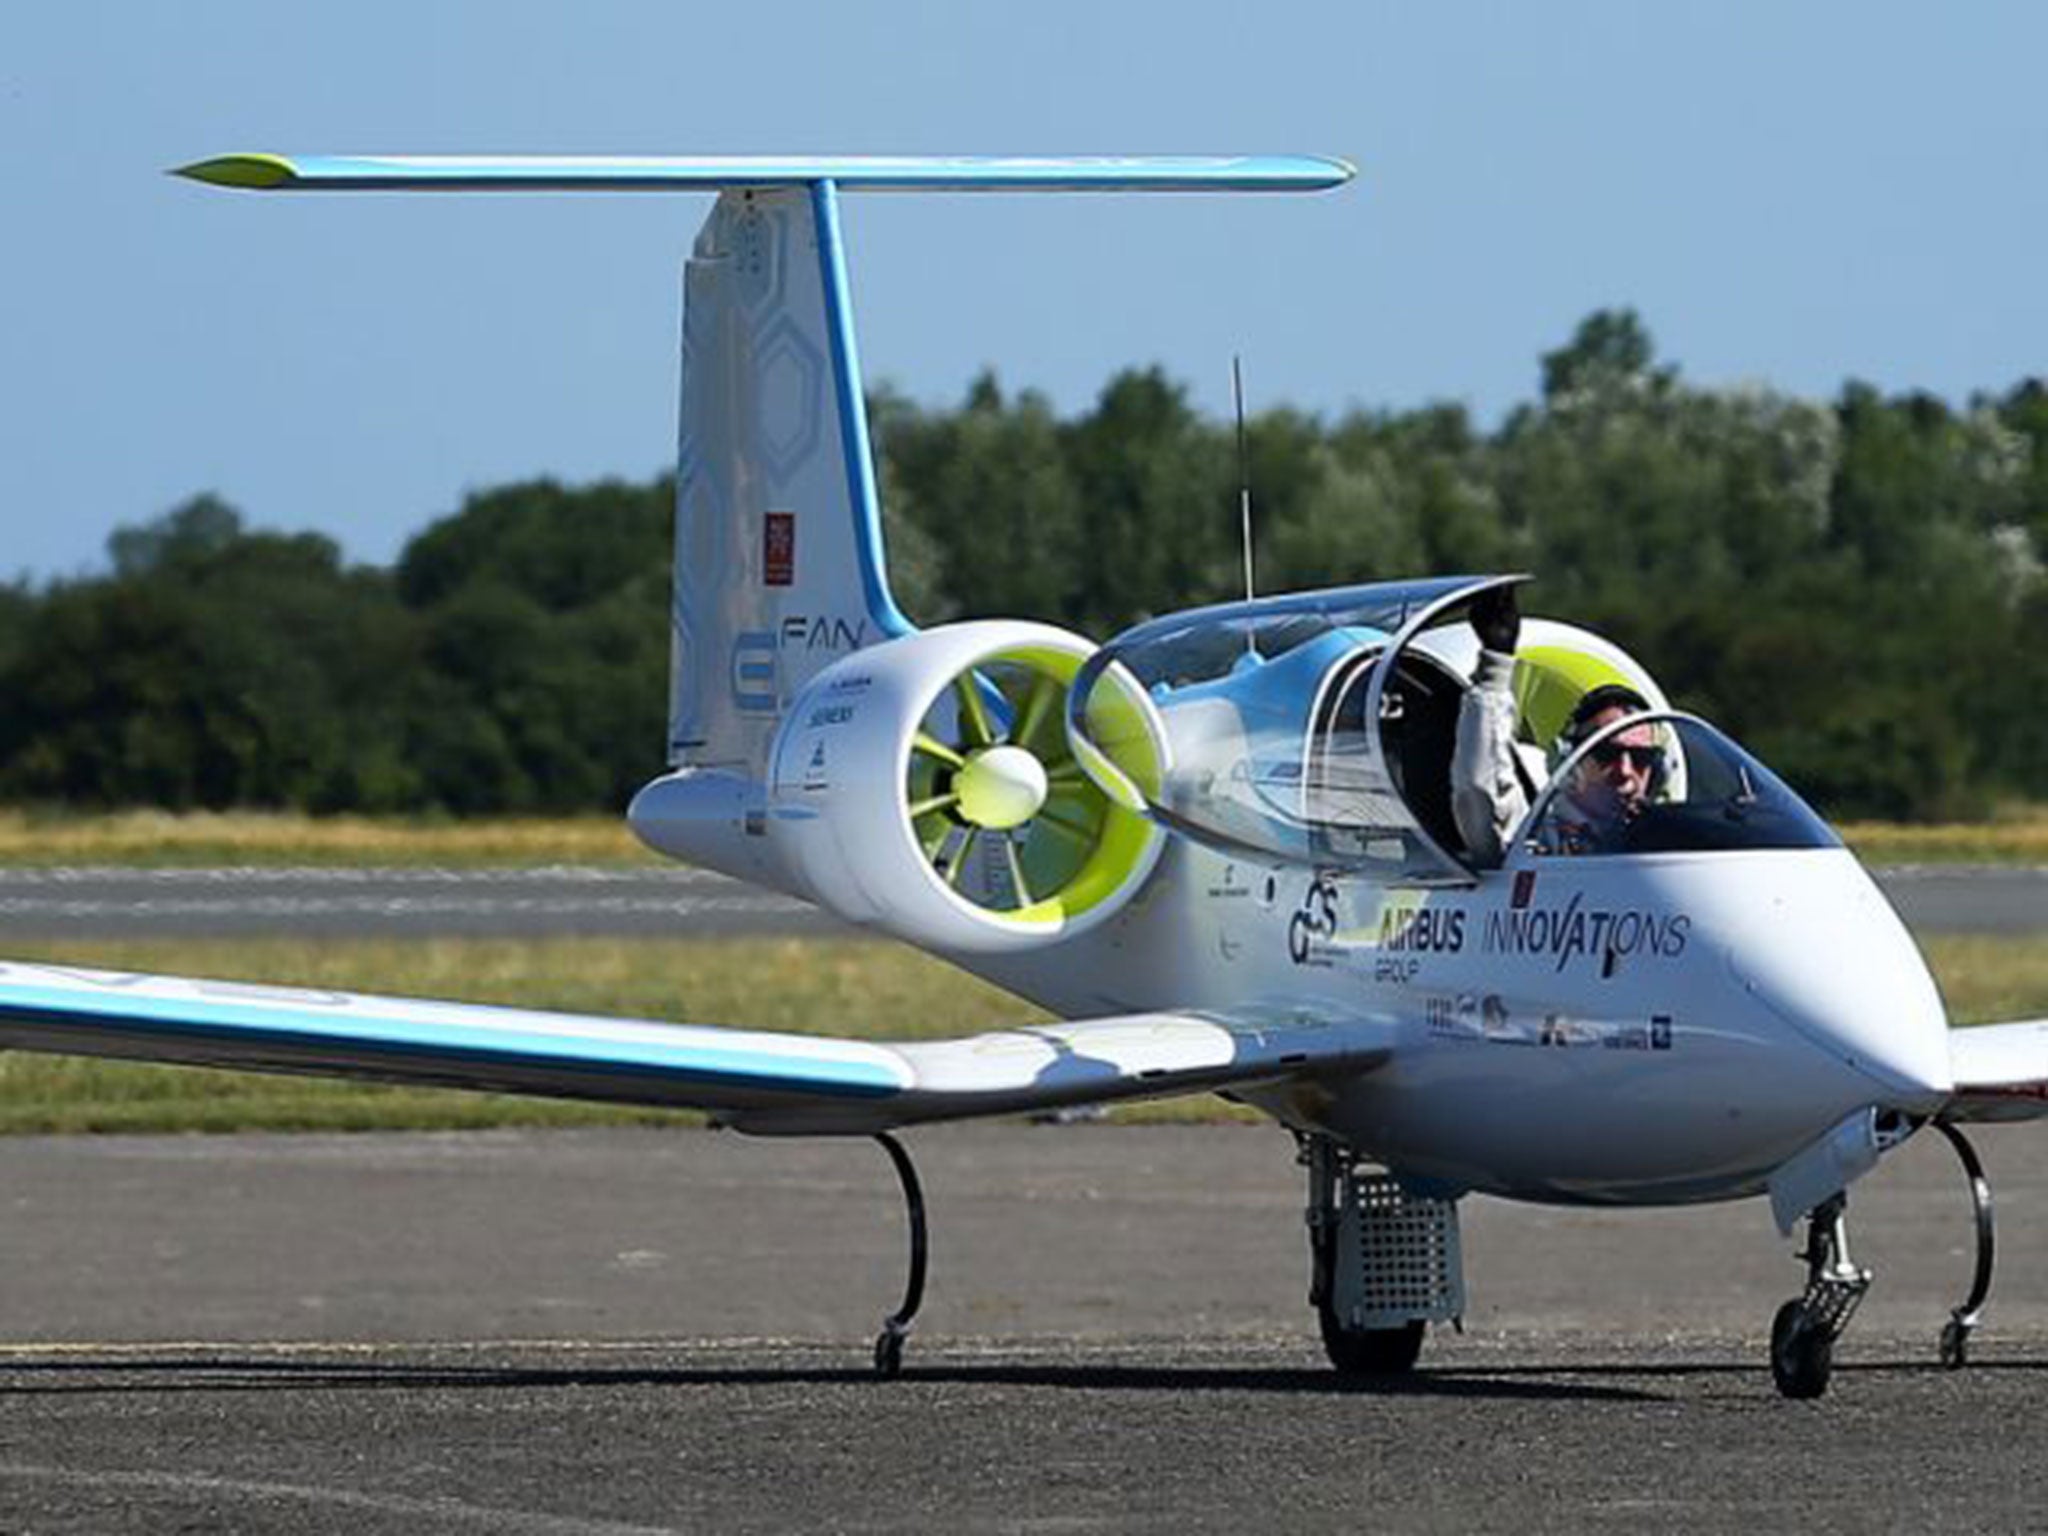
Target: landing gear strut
{"points": [[896, 1326], [1383, 1263], [1955, 1335], [1804, 1332]]}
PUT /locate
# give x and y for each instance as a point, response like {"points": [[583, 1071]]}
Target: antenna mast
{"points": [[1244, 472]]}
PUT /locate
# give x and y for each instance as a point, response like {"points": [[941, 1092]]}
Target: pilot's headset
{"points": [[1594, 703]]}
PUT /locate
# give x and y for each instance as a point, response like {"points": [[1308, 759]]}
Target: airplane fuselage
{"points": [[1648, 1030]]}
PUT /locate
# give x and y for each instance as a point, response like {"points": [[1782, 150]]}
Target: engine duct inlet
{"points": [[930, 782]]}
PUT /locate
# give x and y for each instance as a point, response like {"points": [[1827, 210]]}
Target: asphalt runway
{"points": [[593, 1332], [97, 902], [112, 902]]}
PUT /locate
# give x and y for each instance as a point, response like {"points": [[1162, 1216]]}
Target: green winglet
{"points": [[260, 172]]}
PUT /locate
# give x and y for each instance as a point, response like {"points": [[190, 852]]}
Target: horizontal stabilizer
{"points": [[757, 1080], [635, 173]]}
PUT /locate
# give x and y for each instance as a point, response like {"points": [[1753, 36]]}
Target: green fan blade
{"points": [[932, 803], [1085, 831], [1018, 887], [1080, 837], [1084, 802], [974, 722], [932, 838], [960, 857], [1052, 857], [931, 746], [1045, 692]]}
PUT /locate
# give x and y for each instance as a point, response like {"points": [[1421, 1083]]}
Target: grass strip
{"points": [[158, 840], [2002, 842], [204, 839]]}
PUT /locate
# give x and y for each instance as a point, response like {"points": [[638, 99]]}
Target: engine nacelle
{"points": [[926, 785]]}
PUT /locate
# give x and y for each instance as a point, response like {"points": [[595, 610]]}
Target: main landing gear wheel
{"points": [[1382, 1263], [1802, 1356], [1370, 1351]]}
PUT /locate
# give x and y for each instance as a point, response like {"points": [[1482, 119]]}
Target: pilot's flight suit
{"points": [[1488, 795]]}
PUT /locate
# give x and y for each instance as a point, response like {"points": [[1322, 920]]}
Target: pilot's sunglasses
{"points": [[1608, 753]]}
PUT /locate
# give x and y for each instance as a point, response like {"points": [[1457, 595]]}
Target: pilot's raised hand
{"points": [[1496, 620]]}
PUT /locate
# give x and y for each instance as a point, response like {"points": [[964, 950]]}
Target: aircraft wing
{"points": [[755, 1080], [2001, 1071]]}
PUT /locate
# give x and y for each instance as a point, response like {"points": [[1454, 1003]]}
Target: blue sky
{"points": [[1795, 194]]}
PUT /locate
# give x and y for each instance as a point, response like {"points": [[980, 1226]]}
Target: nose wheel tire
{"points": [[1802, 1355], [1803, 1333]]}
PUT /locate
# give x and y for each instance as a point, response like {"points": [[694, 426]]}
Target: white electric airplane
{"points": [[1220, 847]]}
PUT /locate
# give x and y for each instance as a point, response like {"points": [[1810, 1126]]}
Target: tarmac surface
{"points": [[95, 901], [105, 902], [595, 1332]]}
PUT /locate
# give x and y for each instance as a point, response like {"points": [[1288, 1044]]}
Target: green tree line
{"points": [[1854, 587]]}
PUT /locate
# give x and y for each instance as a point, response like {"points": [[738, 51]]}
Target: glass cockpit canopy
{"points": [[1300, 727], [1318, 728], [1694, 790]]}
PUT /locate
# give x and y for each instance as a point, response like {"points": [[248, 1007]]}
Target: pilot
{"points": [[1612, 783], [1491, 785]]}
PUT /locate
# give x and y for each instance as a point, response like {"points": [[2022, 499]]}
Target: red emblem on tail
{"points": [[778, 549]]}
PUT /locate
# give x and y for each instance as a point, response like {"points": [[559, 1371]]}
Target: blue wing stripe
{"points": [[355, 1033], [1125, 173]]}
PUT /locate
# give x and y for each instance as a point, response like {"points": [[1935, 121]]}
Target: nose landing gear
{"points": [[1804, 1332]]}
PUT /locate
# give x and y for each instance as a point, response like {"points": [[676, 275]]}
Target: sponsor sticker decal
{"points": [[1228, 886], [1498, 1025], [1425, 930], [778, 549], [1313, 924], [754, 672], [1562, 1030], [1576, 932], [823, 632], [1452, 1018]]}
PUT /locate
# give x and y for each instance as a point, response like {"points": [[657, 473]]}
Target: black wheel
{"points": [[1802, 1356], [1955, 1345], [1371, 1351], [888, 1354]]}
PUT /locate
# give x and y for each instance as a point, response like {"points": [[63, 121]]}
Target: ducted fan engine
{"points": [[926, 785]]}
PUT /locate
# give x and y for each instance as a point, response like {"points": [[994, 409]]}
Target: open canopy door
{"points": [[1300, 727]]}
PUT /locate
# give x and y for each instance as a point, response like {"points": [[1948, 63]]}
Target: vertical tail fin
{"points": [[778, 553]]}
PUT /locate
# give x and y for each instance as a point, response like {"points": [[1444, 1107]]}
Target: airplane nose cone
{"points": [[1833, 960]]}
